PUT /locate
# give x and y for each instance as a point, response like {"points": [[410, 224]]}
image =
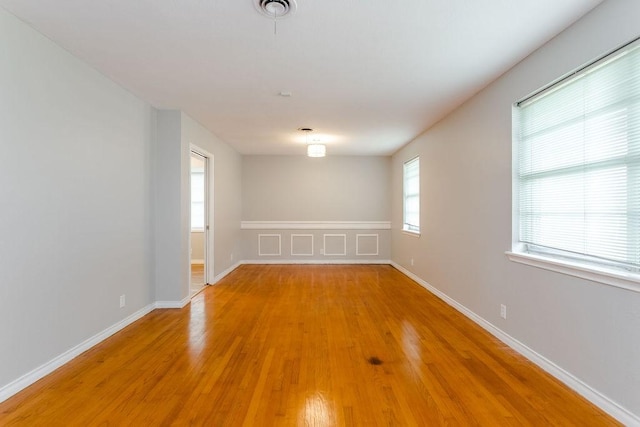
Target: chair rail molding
{"points": [[315, 225]]}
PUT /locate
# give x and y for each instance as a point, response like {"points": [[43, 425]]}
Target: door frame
{"points": [[209, 209]]}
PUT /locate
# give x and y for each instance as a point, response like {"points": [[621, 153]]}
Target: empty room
{"points": [[281, 212]]}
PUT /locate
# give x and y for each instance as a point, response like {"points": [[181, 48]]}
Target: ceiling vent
{"points": [[276, 8]]}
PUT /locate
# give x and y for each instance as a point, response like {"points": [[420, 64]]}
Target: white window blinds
{"points": [[578, 164], [411, 189]]}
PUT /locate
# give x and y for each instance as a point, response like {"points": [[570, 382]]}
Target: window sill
{"points": [[411, 233], [618, 279]]}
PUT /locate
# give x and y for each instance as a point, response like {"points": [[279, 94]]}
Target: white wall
{"points": [[171, 210], [227, 189], [588, 329], [300, 188], [74, 201], [176, 133], [77, 229], [197, 246], [94, 204], [333, 188]]}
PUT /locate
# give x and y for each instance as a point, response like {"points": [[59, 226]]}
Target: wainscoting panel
{"points": [[269, 244], [314, 245], [366, 244], [335, 244], [302, 244]]}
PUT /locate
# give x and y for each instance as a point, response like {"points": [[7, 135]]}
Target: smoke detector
{"points": [[276, 8]]}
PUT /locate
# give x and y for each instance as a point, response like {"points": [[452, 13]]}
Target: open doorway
{"points": [[199, 251]]}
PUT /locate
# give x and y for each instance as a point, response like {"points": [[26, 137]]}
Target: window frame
{"points": [[580, 266], [411, 229]]}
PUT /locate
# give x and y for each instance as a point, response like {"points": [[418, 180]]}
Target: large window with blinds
{"points": [[577, 166], [411, 191]]}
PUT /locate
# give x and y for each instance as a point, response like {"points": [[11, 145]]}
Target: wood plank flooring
{"points": [[197, 278], [302, 346]]}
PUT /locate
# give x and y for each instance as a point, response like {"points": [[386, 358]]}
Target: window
{"points": [[577, 166], [197, 200], [411, 191]]}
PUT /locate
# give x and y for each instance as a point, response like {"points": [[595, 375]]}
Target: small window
{"points": [[577, 161], [411, 191], [198, 188], [197, 200]]}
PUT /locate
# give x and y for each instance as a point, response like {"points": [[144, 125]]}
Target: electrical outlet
{"points": [[503, 311], [411, 261], [231, 258], [122, 301]]}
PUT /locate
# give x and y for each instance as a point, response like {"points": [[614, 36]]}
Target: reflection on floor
{"points": [[197, 278], [303, 345]]}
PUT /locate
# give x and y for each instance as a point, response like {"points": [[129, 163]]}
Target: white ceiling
{"points": [[367, 75]]}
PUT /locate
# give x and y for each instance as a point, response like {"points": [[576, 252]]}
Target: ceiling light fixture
{"points": [[314, 149]]}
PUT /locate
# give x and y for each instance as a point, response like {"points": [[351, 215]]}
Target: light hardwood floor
{"points": [[197, 278], [302, 346]]}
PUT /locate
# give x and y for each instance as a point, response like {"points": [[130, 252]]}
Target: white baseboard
{"points": [[606, 404], [585, 390], [316, 261], [197, 261], [173, 304], [220, 276], [45, 369]]}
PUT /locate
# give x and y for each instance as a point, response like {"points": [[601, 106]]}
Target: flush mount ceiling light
{"points": [[276, 8], [314, 149]]}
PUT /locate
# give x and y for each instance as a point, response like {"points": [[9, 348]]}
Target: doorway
{"points": [[199, 239]]}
